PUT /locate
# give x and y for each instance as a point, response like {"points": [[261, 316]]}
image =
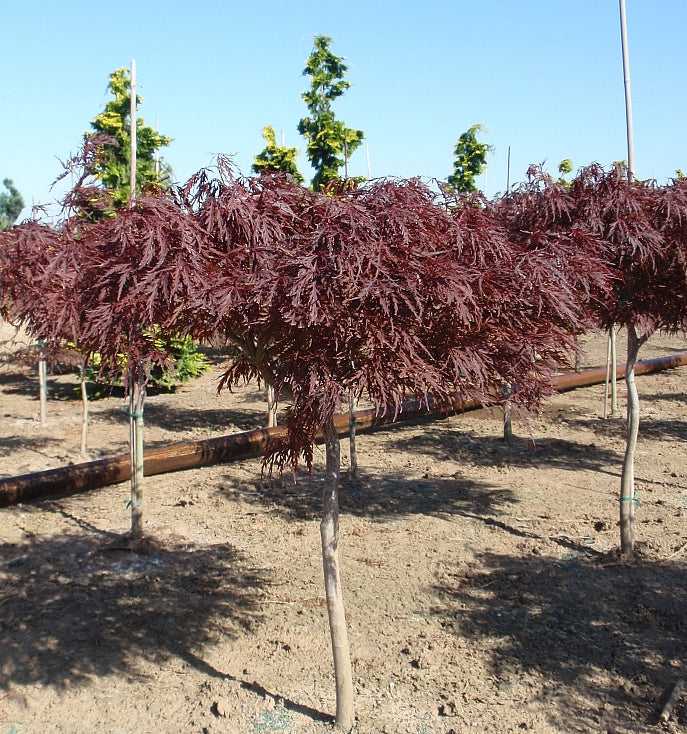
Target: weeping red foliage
{"points": [[248, 224], [542, 219], [668, 297], [31, 267], [642, 226], [386, 290], [108, 285], [139, 270], [382, 290]]}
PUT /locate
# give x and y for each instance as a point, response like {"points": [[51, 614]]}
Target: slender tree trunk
{"points": [[84, 409], [329, 533], [352, 409], [43, 386], [271, 406], [614, 370], [136, 400], [627, 480], [507, 417], [507, 421]]}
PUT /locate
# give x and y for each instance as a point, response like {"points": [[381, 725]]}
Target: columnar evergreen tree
{"points": [[276, 158], [11, 204], [112, 165], [470, 161], [329, 142], [565, 167]]}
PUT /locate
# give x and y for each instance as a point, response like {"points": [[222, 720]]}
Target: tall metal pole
{"points": [[628, 95]]}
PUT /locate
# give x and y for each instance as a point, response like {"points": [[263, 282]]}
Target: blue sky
{"points": [[543, 76]]}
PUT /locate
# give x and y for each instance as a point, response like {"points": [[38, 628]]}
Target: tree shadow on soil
{"points": [[21, 381], [14, 443], [75, 606], [675, 430], [380, 497], [165, 416], [671, 397], [542, 451], [391, 494], [660, 429], [608, 641]]}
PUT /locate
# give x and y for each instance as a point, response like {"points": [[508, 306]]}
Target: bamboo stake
{"points": [[84, 409], [136, 384], [352, 410], [614, 365], [628, 95], [608, 376], [132, 171]]}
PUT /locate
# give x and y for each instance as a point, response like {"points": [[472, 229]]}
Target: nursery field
{"points": [[481, 577]]}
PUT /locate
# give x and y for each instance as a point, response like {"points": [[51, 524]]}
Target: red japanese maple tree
{"points": [[383, 290], [644, 227], [111, 285]]}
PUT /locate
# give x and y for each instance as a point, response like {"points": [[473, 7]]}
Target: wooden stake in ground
{"points": [[611, 374], [84, 408], [43, 386], [132, 170], [352, 410], [136, 384], [614, 364]]}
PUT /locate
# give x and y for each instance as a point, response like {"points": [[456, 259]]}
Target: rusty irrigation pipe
{"points": [[187, 455]]}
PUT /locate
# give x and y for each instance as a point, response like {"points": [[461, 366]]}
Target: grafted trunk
{"points": [[627, 480], [329, 533]]}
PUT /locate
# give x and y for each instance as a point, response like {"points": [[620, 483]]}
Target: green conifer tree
{"points": [[112, 165], [276, 157], [330, 142]]}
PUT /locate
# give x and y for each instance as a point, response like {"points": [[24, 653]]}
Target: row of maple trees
{"points": [[387, 289]]}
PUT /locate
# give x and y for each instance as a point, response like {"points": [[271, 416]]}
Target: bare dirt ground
{"points": [[481, 579]]}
